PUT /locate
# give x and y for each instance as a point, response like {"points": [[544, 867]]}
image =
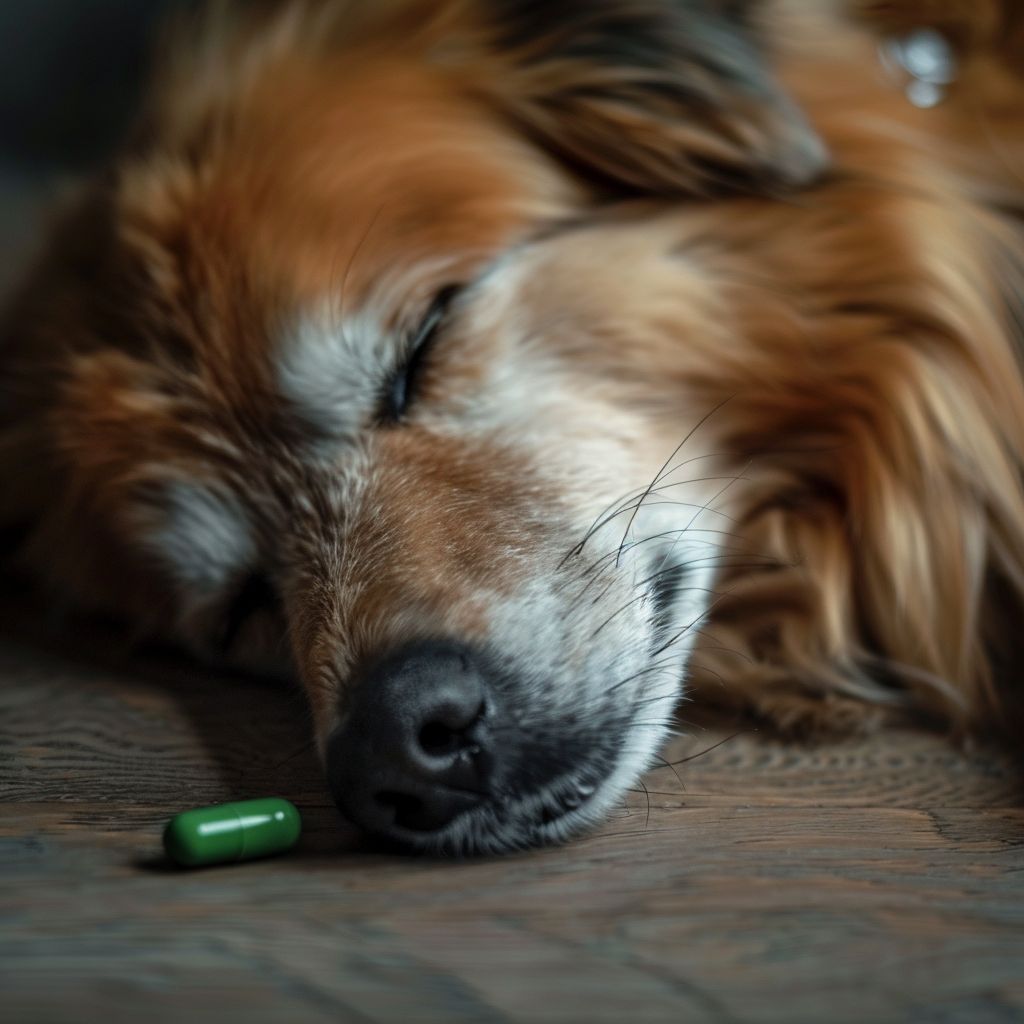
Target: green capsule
{"points": [[232, 832]]}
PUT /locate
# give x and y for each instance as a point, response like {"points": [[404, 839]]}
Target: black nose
{"points": [[416, 750]]}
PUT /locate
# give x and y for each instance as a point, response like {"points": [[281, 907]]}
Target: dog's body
{"points": [[374, 357]]}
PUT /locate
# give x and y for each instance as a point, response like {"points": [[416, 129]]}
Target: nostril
{"points": [[437, 739], [451, 732], [417, 749]]}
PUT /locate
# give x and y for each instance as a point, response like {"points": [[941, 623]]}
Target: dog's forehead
{"points": [[319, 175]]}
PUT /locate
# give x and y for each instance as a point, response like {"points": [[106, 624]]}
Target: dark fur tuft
{"points": [[661, 97]]}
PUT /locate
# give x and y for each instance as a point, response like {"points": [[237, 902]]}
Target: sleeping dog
{"points": [[501, 369]]}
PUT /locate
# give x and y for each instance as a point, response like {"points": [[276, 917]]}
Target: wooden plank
{"points": [[877, 879], [720, 912]]}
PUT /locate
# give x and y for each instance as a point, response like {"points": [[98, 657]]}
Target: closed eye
{"points": [[400, 391]]}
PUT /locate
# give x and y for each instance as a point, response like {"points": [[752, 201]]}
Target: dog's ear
{"points": [[661, 96]]}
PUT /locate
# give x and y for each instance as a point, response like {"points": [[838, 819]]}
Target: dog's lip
{"points": [[557, 806], [554, 812]]}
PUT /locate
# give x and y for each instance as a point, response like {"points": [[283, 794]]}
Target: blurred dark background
{"points": [[70, 72]]}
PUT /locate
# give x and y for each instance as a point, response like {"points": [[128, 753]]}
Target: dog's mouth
{"points": [[665, 589], [540, 818], [667, 584]]}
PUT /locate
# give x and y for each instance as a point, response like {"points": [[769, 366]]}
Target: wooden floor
{"points": [[868, 881]]}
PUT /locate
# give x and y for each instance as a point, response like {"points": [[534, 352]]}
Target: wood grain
{"points": [[880, 879]]}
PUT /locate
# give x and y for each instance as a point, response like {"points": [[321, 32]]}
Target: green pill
{"points": [[232, 832]]}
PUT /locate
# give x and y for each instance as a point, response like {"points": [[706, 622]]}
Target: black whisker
{"points": [[728, 650], [654, 667], [672, 767], [714, 672], [714, 746], [663, 469], [707, 504], [643, 786]]}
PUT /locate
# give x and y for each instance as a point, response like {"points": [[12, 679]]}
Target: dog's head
{"points": [[351, 367]]}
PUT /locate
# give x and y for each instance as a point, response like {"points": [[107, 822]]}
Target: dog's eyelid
{"points": [[400, 387], [435, 314]]}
